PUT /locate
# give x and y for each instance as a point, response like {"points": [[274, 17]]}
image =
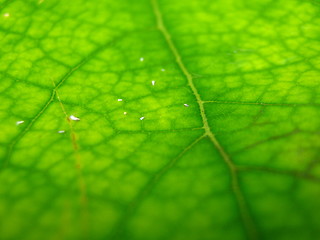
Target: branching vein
{"points": [[17, 139], [245, 215], [149, 186]]}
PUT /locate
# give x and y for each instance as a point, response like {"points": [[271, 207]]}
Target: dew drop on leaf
{"points": [[72, 117], [19, 122]]}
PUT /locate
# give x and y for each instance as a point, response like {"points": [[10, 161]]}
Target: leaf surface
{"points": [[191, 119]]}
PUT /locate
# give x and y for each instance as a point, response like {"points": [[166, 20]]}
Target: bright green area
{"points": [[239, 161]]}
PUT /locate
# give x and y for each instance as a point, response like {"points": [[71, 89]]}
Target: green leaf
{"points": [[198, 119]]}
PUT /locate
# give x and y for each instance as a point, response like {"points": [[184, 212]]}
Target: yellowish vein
{"points": [[248, 222]]}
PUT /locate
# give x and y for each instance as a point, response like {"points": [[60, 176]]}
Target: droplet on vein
{"points": [[141, 118], [72, 117]]}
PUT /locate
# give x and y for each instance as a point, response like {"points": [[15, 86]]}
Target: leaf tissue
{"points": [[159, 120]]}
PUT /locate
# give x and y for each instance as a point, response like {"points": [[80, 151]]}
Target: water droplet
{"points": [[186, 105], [74, 118], [120, 100], [141, 118], [61, 131], [153, 82], [124, 113], [162, 69], [141, 59], [19, 122], [6, 15]]}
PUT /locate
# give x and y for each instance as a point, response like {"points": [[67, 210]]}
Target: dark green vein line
{"points": [[160, 131], [269, 70], [248, 222], [264, 104], [148, 188], [267, 140], [291, 173]]}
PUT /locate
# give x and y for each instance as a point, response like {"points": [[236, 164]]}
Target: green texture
{"points": [[223, 145]]}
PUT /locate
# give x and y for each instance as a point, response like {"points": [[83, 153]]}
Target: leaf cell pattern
{"points": [[198, 120]]}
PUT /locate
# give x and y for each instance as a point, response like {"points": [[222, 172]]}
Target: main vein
{"points": [[244, 212]]}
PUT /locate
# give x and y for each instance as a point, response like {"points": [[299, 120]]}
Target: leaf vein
{"points": [[147, 188], [248, 222], [76, 67]]}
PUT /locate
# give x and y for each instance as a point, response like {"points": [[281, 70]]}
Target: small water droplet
{"points": [[19, 122], [141, 118], [72, 117]]}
